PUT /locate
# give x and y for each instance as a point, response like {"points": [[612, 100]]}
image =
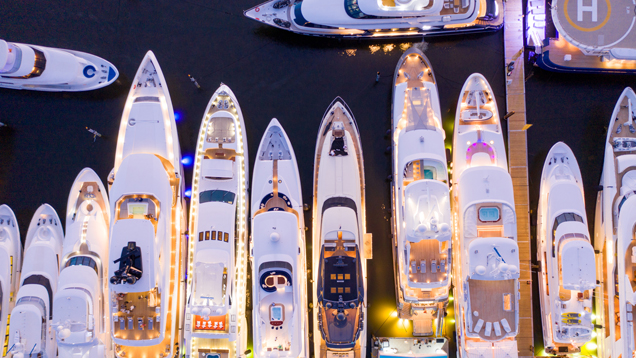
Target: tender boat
{"points": [[40, 68], [30, 330], [11, 259], [80, 305], [615, 223], [566, 256], [341, 245], [379, 18], [279, 272], [147, 223], [216, 284], [486, 265], [421, 203]]}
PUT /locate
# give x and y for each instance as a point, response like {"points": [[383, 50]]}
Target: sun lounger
{"points": [[151, 324], [434, 266], [130, 323], [497, 328], [488, 329], [122, 323], [423, 266], [443, 266], [413, 269], [506, 326], [478, 326]]}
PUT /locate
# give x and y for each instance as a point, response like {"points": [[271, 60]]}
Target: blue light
{"points": [[177, 116], [187, 160], [188, 193]]}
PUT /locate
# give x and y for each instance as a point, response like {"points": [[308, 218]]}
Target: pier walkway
{"points": [[517, 151]]}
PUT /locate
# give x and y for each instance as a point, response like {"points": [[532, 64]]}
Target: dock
{"points": [[518, 163]]}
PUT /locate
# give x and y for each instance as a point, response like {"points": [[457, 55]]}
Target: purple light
{"points": [[177, 116], [187, 160], [484, 144], [188, 193], [474, 144]]}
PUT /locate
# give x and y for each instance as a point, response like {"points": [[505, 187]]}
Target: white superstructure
{"points": [[421, 202], [49, 69], [379, 18], [566, 256], [615, 223], [215, 320], [10, 267], [80, 305], [277, 250], [146, 291], [30, 331], [486, 265], [341, 245]]}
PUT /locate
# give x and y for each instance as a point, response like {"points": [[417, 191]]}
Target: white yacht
{"points": [[40, 68], [30, 331], [566, 256], [147, 223], [615, 223], [80, 305], [279, 268], [341, 245], [421, 203], [379, 18], [11, 258], [215, 320], [486, 265]]}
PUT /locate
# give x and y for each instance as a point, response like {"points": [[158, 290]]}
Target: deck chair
{"points": [[488, 329], [442, 265], [506, 326], [151, 324], [497, 328], [434, 266], [423, 266], [131, 325], [122, 323], [478, 326], [413, 269]]}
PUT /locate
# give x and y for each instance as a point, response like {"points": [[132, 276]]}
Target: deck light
{"points": [[177, 116], [187, 160], [590, 346], [188, 192]]}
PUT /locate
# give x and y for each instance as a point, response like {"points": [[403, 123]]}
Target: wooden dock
{"points": [[517, 151]]}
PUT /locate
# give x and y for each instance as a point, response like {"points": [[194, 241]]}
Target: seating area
{"points": [[139, 315], [493, 308], [427, 263], [214, 236]]}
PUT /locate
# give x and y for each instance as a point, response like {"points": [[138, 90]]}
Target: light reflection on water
{"points": [[386, 48]]}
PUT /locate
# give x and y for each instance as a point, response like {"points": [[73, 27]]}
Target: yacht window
{"points": [[217, 196], [565, 217], [38, 66], [300, 20], [82, 261], [489, 214], [627, 195]]}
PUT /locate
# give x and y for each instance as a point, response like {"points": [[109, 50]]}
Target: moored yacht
{"points": [[49, 69], [30, 331], [379, 18], [566, 256], [147, 223], [486, 265], [277, 253], [341, 245], [80, 305], [11, 259], [615, 223], [216, 284], [421, 203]]}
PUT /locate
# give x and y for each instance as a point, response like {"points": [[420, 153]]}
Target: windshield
{"points": [[218, 196]]}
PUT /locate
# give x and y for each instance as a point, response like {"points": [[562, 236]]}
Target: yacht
{"points": [[486, 265], [565, 254], [147, 210], [80, 303], [420, 198], [40, 68], [11, 258], [341, 245], [279, 269], [615, 223], [217, 261], [379, 18], [30, 330]]}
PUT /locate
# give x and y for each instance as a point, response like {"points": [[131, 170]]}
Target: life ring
{"points": [[257, 9]]}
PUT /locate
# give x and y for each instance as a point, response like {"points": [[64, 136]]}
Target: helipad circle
{"points": [[588, 29], [594, 24]]}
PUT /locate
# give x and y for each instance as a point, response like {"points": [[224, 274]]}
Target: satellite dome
{"points": [[274, 237], [480, 270]]}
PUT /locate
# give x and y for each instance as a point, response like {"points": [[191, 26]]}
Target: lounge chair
{"points": [[434, 266], [423, 266], [506, 326], [478, 326], [497, 328], [488, 329]]}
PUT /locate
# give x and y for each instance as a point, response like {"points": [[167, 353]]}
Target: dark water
{"points": [[274, 74]]}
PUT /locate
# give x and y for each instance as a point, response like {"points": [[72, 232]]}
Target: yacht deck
{"points": [[427, 263], [492, 305], [138, 318]]}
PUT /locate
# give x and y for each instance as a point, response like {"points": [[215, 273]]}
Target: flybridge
{"points": [[130, 265]]}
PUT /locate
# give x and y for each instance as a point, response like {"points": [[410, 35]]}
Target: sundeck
{"points": [[566, 255], [341, 245], [216, 281], [615, 224], [279, 279], [379, 18], [30, 330], [49, 69], [421, 204], [147, 222], [485, 246], [11, 259], [80, 305]]}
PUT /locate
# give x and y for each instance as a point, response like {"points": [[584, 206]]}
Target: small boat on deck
{"points": [[11, 259], [30, 330], [341, 245], [277, 253], [40, 68], [148, 223], [566, 255], [217, 255], [80, 311]]}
